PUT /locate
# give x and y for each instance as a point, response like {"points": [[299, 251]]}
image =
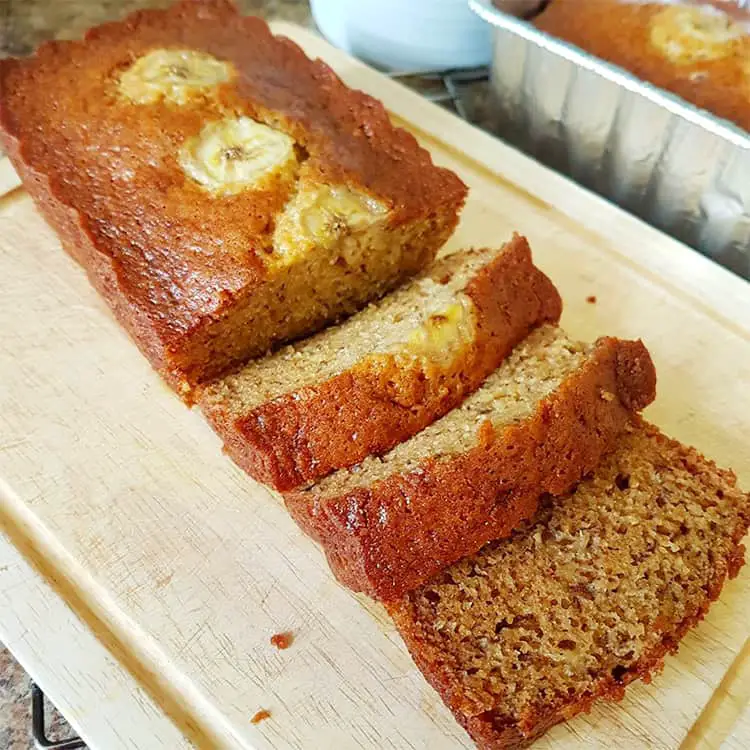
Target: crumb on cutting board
{"points": [[282, 640], [591, 299], [261, 715]]}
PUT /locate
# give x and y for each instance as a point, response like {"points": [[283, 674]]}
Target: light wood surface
{"points": [[184, 568], [740, 737], [76, 672]]}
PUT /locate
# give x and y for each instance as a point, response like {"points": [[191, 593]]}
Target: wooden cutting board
{"points": [[183, 567]]}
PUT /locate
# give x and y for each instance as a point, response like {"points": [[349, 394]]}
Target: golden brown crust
{"points": [[173, 261], [491, 488], [618, 32], [487, 729], [304, 435]]}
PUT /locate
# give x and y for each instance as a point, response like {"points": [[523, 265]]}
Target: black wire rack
{"points": [[39, 725], [445, 87]]}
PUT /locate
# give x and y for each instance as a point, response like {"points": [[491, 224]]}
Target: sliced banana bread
{"points": [[583, 600], [223, 191], [539, 423], [384, 374]]}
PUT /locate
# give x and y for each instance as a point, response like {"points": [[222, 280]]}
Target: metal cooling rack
{"points": [[39, 728], [445, 87]]}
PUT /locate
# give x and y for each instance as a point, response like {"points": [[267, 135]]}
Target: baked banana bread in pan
{"points": [[697, 50], [362, 387], [537, 425], [585, 598], [223, 191]]}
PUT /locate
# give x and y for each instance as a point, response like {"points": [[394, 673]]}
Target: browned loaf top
{"points": [[699, 51], [362, 387], [223, 191], [586, 598], [539, 423]]}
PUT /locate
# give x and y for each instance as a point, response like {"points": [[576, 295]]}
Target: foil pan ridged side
{"points": [[659, 157]]}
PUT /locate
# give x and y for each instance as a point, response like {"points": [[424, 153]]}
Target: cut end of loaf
{"points": [[323, 285]]}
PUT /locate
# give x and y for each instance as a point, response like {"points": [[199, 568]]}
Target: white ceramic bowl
{"points": [[406, 35]]}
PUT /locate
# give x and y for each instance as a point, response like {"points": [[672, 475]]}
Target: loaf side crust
{"points": [[380, 402], [390, 537]]}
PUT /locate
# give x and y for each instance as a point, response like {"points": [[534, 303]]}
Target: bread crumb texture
{"points": [[259, 716], [534, 370], [538, 424], [282, 641]]}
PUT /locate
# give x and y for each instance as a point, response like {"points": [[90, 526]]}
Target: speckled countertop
{"points": [[29, 22], [23, 25]]}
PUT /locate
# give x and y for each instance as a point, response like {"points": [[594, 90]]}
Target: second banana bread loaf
{"points": [[538, 424], [698, 50], [381, 376]]}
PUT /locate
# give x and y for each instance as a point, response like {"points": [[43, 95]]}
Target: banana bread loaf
{"points": [[700, 51], [223, 191], [583, 600], [539, 423], [381, 376]]}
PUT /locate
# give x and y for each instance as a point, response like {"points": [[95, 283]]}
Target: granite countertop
{"points": [[23, 25], [26, 23]]}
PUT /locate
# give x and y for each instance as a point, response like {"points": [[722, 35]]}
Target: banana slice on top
{"points": [[444, 335], [172, 74], [319, 215], [691, 34], [232, 155]]}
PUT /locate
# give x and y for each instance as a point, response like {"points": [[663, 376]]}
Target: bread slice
{"points": [[381, 376], [539, 423], [587, 597], [223, 191]]}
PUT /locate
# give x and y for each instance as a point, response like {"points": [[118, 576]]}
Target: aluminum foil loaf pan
{"points": [[676, 166]]}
